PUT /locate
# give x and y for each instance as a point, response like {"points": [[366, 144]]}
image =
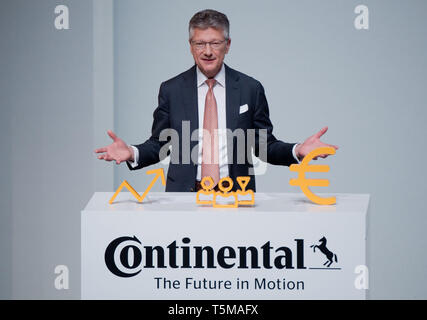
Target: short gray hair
{"points": [[209, 19]]}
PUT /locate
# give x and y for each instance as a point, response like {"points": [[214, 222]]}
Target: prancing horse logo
{"points": [[329, 254]]}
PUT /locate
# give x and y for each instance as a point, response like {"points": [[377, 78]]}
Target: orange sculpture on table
{"points": [[224, 193], [207, 189], [243, 182], [304, 183], [158, 172]]}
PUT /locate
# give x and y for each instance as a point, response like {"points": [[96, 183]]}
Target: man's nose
{"points": [[208, 50]]}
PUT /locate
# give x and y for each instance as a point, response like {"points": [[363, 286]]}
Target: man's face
{"points": [[209, 58]]}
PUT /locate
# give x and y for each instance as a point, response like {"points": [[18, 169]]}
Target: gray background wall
{"points": [[317, 69], [49, 126]]}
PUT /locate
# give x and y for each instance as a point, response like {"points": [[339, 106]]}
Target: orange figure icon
{"points": [[224, 194], [158, 172], [243, 182], [304, 183], [207, 190]]}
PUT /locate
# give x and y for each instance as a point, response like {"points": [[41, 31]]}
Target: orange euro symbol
{"points": [[304, 183]]}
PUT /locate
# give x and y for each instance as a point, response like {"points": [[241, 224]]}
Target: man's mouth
{"points": [[208, 60]]}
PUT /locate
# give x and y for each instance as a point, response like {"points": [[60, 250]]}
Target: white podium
{"points": [[168, 247]]}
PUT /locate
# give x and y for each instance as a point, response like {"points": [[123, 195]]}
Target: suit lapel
{"points": [[191, 106], [232, 104], [232, 100], [189, 94]]}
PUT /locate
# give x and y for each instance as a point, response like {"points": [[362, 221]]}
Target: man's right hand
{"points": [[118, 151]]}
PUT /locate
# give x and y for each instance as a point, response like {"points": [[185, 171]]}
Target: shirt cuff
{"points": [[293, 152], [134, 164]]}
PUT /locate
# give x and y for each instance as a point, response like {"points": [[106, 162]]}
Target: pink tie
{"points": [[210, 150]]}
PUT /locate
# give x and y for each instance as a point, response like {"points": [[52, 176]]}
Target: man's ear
{"points": [[227, 46]]}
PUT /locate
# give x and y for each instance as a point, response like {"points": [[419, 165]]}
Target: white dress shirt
{"points": [[219, 93]]}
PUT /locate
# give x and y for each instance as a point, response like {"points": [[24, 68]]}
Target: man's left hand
{"points": [[312, 143]]}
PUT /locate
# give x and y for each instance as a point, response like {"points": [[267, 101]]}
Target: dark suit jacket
{"points": [[178, 102]]}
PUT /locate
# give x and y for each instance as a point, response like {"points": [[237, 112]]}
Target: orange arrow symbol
{"points": [[159, 173]]}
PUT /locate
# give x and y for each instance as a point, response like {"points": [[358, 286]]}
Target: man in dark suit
{"points": [[219, 106]]}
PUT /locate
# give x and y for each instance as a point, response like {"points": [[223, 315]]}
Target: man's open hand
{"points": [[118, 151], [312, 143]]}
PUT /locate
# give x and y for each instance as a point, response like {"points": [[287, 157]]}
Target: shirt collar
{"points": [[220, 77]]}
